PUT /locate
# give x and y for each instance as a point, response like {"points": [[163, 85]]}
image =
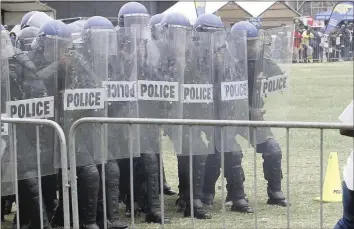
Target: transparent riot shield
{"points": [[154, 92], [231, 87], [33, 92], [170, 66], [84, 95], [121, 89], [7, 160], [140, 22], [271, 81], [197, 95]]}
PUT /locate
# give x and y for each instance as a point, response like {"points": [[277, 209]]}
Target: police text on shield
{"points": [[31, 108]]}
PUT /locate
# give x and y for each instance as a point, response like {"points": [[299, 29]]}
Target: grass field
{"points": [[319, 92]]}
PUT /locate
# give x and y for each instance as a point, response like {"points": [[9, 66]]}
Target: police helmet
{"points": [[98, 22], [251, 30], [254, 44], [175, 20], [55, 28], [25, 19], [208, 22], [131, 9], [156, 19], [26, 37]]}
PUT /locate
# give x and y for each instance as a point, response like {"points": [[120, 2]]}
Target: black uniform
{"points": [[270, 148], [24, 84], [228, 110]]}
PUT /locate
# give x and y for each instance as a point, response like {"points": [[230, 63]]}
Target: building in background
{"points": [[12, 11], [72, 9]]}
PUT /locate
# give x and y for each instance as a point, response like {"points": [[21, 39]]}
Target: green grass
{"points": [[319, 92]]}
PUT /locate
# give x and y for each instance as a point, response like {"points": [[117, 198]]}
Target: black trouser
{"points": [[147, 182], [272, 157], [29, 205], [198, 167], [112, 175]]}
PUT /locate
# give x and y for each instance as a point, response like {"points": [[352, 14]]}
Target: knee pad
{"points": [[150, 162], [199, 159], [89, 174], [233, 165], [112, 174], [32, 184], [272, 149]]}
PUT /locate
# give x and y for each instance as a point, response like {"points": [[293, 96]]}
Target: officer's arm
{"points": [[272, 69]]}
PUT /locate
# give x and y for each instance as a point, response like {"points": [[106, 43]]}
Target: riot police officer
{"points": [[198, 62], [28, 82], [154, 21], [49, 76], [230, 109], [134, 14], [262, 138]]}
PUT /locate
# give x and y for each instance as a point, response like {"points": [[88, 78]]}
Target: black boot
{"points": [[208, 200], [37, 223], [88, 188], [200, 211], [273, 174], [241, 205], [167, 190], [235, 178], [152, 188], [181, 203]]}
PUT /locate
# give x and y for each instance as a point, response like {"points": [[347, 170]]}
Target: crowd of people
{"points": [[312, 45], [161, 54]]}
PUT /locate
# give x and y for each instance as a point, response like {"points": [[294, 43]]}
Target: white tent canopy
{"points": [[272, 13], [13, 10]]}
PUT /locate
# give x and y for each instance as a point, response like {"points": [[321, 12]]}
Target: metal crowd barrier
{"points": [[189, 122], [63, 162]]}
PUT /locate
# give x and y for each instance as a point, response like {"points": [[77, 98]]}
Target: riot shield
{"points": [[154, 91], [271, 81], [121, 89], [33, 95], [84, 96], [231, 87], [7, 160], [170, 66], [140, 23], [197, 94]]}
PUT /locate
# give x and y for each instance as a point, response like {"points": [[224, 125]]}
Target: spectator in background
{"points": [[333, 42], [306, 36], [297, 43], [13, 38], [351, 40], [315, 43]]}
